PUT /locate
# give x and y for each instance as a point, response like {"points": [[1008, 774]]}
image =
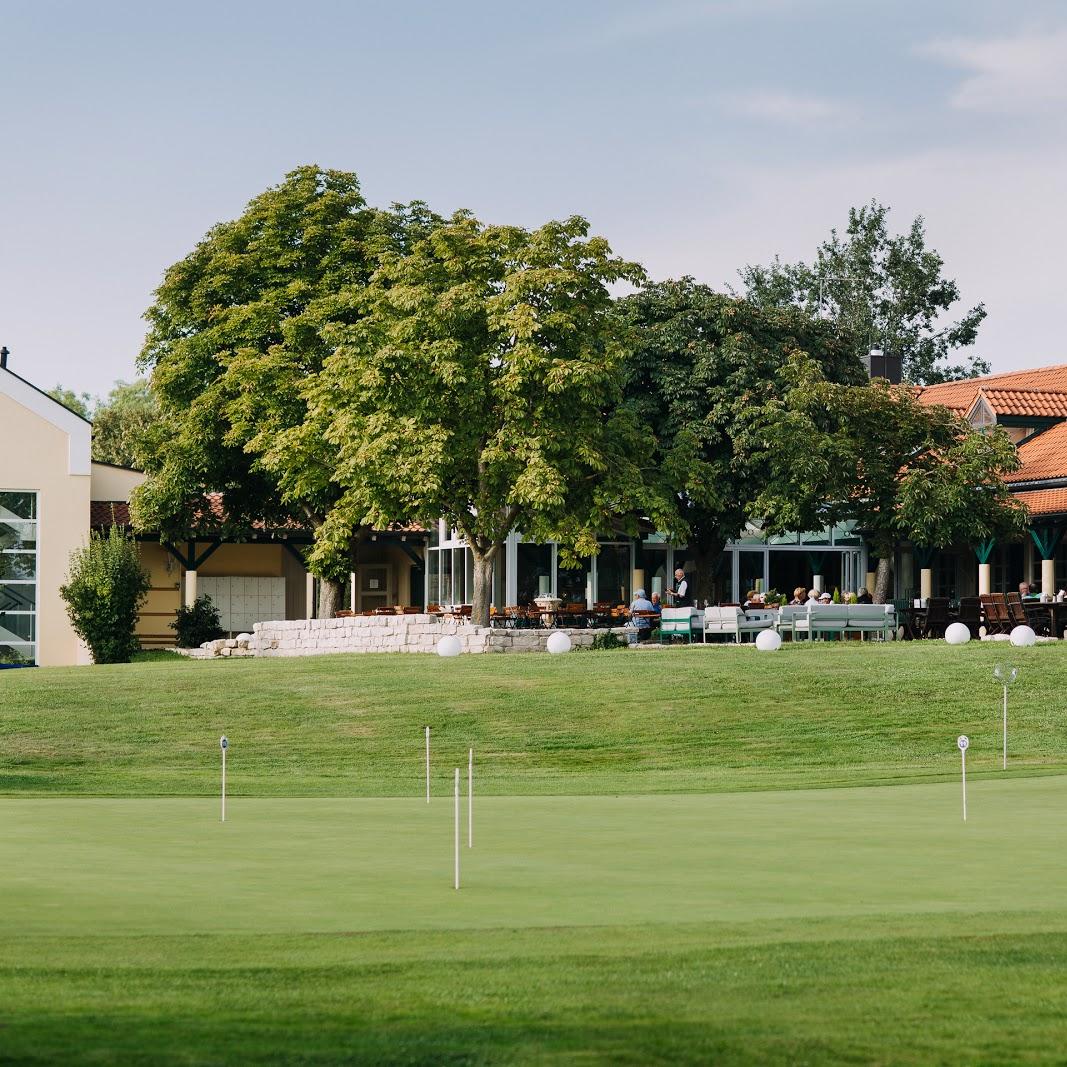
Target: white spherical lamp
{"points": [[768, 641], [558, 643], [957, 634], [449, 646], [1023, 637]]}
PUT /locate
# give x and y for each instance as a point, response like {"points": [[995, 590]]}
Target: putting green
{"points": [[120, 866]]}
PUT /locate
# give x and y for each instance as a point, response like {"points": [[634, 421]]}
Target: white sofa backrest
{"points": [[869, 612]]}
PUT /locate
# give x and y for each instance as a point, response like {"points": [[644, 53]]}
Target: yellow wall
{"points": [[114, 483], [164, 597], [249, 560], [35, 457]]}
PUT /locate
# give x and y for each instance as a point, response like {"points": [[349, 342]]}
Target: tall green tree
{"points": [[482, 385], [902, 470], [703, 368], [886, 291], [123, 423], [80, 403], [237, 330]]}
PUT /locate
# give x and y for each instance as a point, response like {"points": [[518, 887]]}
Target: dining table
{"points": [[1048, 616]]}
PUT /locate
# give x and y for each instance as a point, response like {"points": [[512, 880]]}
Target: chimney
{"points": [[887, 365], [4, 353]]}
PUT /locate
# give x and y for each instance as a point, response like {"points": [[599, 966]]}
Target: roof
{"points": [[1042, 456], [36, 389], [1042, 403], [960, 396], [1044, 501]]}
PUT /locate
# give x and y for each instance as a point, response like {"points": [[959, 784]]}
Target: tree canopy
{"points": [[237, 329], [703, 368], [886, 291], [481, 384], [901, 469]]}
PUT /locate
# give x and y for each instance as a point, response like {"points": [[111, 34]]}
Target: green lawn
{"points": [[653, 879]]}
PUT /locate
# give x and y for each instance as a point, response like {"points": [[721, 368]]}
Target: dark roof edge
{"points": [[43, 392]]}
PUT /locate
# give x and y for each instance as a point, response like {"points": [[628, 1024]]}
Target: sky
{"points": [[696, 135]]}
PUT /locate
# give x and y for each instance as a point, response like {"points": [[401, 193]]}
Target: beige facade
{"points": [[45, 479]]}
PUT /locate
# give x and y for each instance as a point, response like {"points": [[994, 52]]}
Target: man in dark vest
{"points": [[679, 594]]}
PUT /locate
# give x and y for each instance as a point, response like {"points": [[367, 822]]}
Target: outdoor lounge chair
{"points": [[971, 614], [1016, 611], [822, 619], [676, 622], [936, 617], [871, 619]]}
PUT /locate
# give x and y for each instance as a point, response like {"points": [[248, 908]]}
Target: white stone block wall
{"points": [[400, 633]]}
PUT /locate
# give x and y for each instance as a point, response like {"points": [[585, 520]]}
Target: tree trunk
{"points": [[330, 593], [882, 579], [705, 559], [483, 584]]}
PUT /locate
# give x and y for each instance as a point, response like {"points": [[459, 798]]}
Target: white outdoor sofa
{"points": [[735, 623], [811, 620]]}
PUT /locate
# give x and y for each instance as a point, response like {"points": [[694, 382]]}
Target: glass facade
{"points": [[18, 577]]}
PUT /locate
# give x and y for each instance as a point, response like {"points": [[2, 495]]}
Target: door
{"points": [[373, 587]]}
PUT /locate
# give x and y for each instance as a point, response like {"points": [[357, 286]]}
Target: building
{"points": [[52, 495]]}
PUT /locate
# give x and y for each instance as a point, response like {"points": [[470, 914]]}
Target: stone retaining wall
{"points": [[400, 633]]}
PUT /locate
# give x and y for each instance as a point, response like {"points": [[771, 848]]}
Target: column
{"points": [[1048, 577], [926, 583], [309, 596], [352, 591], [1047, 539], [985, 578], [190, 588]]}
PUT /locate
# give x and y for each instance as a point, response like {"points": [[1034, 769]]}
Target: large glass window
{"points": [[656, 568], [18, 577], [533, 571], [571, 583], [613, 574]]}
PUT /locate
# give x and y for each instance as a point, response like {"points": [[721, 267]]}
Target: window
{"points": [[18, 577]]}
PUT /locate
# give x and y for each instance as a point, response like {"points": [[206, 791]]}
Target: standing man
{"points": [[679, 595]]}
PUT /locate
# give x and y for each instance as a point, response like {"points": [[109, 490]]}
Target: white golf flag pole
{"points": [[223, 744], [456, 812], [962, 742], [1004, 766], [427, 765], [470, 799]]}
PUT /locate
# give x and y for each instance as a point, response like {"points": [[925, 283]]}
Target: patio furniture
{"points": [[1000, 612], [937, 619], [970, 614], [1049, 618], [1016, 611], [822, 619], [754, 620], [871, 619], [676, 622], [990, 614]]}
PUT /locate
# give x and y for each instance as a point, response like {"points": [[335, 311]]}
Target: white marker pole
{"points": [[456, 880], [963, 741], [1005, 764], [427, 765], [223, 744], [470, 799]]}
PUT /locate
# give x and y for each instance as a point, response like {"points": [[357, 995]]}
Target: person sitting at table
{"points": [[679, 595], [642, 622], [825, 598], [863, 597], [754, 599], [813, 597], [657, 603], [1026, 591], [800, 597]]}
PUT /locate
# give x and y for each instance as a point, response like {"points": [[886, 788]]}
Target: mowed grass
{"points": [[677, 720], [660, 872]]}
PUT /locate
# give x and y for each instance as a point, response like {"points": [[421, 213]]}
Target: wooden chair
{"points": [[1000, 606], [936, 617], [1016, 611], [971, 613]]}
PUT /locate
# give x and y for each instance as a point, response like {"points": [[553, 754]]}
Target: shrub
{"points": [[605, 642], [197, 623], [105, 586]]}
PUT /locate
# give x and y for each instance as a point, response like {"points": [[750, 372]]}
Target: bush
{"points": [[604, 642], [105, 587], [197, 623]]}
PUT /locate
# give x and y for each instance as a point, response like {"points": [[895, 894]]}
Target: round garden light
{"points": [[957, 634], [1023, 637], [449, 646], [768, 641], [558, 643]]}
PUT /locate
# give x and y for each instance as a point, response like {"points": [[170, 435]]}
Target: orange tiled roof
{"points": [[1045, 501], [959, 396], [1044, 403], [1043, 456]]}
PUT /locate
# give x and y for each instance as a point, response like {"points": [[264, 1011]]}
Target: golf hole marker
{"points": [[1005, 677], [427, 765], [963, 743], [456, 835], [224, 744]]}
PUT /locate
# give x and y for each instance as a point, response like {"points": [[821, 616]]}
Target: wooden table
{"points": [[1051, 616]]}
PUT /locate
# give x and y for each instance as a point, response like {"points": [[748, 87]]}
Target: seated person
{"points": [[863, 597], [754, 600], [657, 602], [813, 597], [825, 598], [1026, 591], [800, 596], [642, 623]]}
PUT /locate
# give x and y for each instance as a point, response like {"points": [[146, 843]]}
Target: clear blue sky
{"points": [[697, 135]]}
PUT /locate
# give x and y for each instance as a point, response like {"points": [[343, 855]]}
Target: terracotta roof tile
{"points": [[1045, 501], [1043, 456], [959, 396], [1044, 403]]}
